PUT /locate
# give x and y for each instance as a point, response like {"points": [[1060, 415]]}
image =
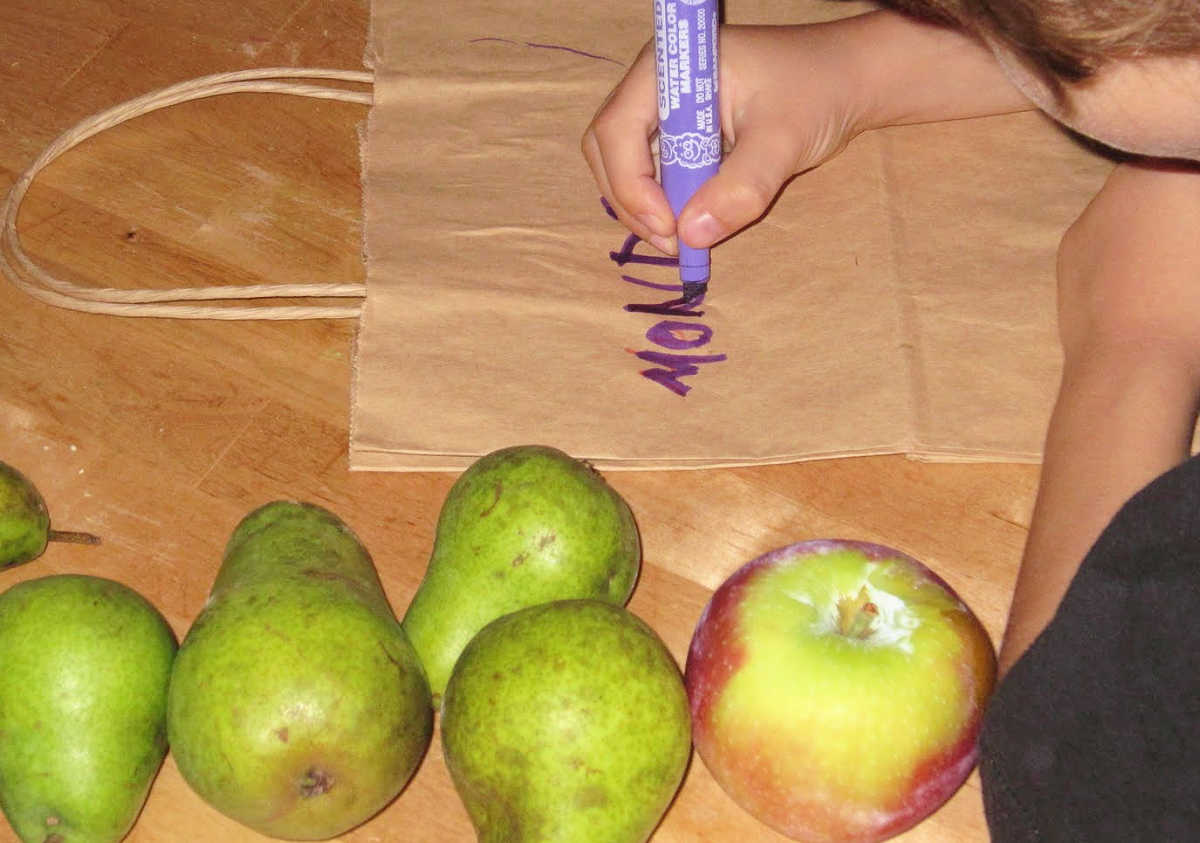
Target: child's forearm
{"points": [[1129, 318], [1120, 421], [918, 72]]}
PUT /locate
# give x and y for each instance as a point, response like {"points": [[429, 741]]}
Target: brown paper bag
{"points": [[900, 298]]}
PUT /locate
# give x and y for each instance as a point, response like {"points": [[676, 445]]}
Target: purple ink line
{"points": [[626, 255], [674, 307], [671, 288], [538, 46], [673, 334], [678, 366], [669, 368], [583, 53]]}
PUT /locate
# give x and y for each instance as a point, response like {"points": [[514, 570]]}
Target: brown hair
{"points": [[1069, 40]]}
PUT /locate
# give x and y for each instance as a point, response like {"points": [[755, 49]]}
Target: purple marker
{"points": [[689, 123]]}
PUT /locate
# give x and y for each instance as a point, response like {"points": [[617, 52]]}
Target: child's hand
{"points": [[788, 99]]}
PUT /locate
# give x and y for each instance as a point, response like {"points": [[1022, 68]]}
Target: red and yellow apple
{"points": [[837, 689]]}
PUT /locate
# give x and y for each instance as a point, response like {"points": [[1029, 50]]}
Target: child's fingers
{"points": [[634, 196], [750, 177], [616, 147]]}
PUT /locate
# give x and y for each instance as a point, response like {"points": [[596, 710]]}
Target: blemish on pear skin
{"points": [[519, 559], [608, 579], [327, 576], [497, 490], [54, 837], [315, 783], [578, 763], [592, 796], [392, 659], [547, 540], [282, 734]]}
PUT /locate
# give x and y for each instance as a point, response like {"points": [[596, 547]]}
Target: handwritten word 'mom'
{"points": [[680, 332]]}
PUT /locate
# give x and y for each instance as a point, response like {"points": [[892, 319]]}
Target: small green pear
{"points": [[521, 526], [297, 705], [566, 722], [83, 698], [25, 522]]}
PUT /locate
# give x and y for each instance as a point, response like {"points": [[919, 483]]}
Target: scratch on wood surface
{"points": [[233, 440], [90, 57], [1009, 520]]}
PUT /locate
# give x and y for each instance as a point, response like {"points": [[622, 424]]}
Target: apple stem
{"points": [[856, 615]]}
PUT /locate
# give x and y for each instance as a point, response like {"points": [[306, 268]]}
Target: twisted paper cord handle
{"points": [[21, 270]]}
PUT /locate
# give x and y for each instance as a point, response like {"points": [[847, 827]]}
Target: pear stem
{"points": [[72, 537]]}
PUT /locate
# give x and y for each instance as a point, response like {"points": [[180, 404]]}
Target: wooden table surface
{"points": [[160, 435]]}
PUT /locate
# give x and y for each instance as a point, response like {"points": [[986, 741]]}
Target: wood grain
{"points": [[160, 435]]}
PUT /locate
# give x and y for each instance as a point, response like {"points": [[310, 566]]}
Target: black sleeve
{"points": [[1094, 735]]}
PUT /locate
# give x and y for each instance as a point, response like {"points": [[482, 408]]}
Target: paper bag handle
{"points": [[21, 270]]}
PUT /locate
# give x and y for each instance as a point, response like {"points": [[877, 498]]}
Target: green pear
{"points": [[25, 521], [521, 526], [566, 722], [297, 705], [83, 699]]}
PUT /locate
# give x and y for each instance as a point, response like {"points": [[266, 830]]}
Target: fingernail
{"points": [[664, 244], [657, 238], [702, 231]]}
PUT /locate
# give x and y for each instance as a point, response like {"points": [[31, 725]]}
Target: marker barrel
{"points": [[689, 139]]}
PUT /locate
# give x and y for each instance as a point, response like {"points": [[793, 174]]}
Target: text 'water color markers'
{"points": [[689, 137]]}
